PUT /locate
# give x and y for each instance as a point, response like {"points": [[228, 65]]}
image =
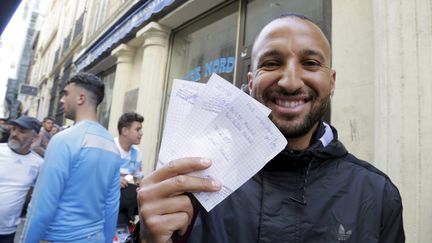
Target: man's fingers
{"points": [[177, 167], [123, 183], [184, 183], [165, 206], [175, 186], [163, 226]]}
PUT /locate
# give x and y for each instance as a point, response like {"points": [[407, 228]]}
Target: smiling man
{"points": [[292, 76], [312, 191]]}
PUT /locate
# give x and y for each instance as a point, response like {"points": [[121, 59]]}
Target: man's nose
{"points": [[13, 133], [291, 77]]}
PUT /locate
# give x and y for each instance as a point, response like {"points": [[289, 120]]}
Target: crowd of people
{"points": [[84, 190], [88, 184]]}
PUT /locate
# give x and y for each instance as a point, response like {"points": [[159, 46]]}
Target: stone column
{"points": [[353, 59], [125, 55], [403, 106], [152, 88]]}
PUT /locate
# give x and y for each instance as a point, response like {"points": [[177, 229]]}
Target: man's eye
{"points": [[270, 65], [311, 64]]}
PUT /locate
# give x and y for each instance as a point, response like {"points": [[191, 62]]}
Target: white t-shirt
{"points": [[126, 155], [17, 174]]}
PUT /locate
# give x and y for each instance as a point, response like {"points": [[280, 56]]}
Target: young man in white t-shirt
{"points": [[130, 132], [19, 168]]}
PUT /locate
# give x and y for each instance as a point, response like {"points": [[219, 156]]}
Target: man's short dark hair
{"points": [[127, 119], [48, 118], [91, 83]]}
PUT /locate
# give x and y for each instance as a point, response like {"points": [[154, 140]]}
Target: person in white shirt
{"points": [[130, 132], [19, 168]]}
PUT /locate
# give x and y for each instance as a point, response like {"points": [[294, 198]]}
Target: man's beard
{"points": [[300, 129], [69, 114], [18, 146]]}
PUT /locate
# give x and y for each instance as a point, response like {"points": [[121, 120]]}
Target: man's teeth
{"points": [[289, 104]]}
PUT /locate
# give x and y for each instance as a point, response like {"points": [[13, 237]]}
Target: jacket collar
{"points": [[324, 145]]}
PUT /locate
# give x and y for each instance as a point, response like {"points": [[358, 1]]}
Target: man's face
{"points": [[20, 139], [69, 100], [133, 133], [291, 74], [48, 125]]}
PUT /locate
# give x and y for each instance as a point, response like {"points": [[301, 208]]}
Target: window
{"points": [[205, 47], [104, 108]]}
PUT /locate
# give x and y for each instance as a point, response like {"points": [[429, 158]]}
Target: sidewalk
{"points": [[19, 230]]}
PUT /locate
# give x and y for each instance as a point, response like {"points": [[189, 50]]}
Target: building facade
{"points": [[381, 52]]}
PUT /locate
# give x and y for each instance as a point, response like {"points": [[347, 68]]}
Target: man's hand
{"points": [[123, 182], [163, 206]]}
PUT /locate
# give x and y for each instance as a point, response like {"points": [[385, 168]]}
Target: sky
{"points": [[11, 43]]}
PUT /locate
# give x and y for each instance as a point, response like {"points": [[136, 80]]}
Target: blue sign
{"points": [[121, 30], [219, 65]]}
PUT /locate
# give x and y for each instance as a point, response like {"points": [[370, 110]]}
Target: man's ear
{"points": [[123, 130], [81, 98], [332, 81], [250, 81]]}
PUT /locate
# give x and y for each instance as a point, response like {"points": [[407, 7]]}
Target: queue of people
{"points": [[58, 211], [312, 191]]}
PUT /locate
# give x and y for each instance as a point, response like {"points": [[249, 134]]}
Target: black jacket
{"points": [[323, 194]]}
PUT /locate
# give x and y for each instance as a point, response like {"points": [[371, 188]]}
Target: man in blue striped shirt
{"points": [[76, 198]]}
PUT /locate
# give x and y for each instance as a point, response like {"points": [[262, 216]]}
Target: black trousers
{"points": [[7, 238]]}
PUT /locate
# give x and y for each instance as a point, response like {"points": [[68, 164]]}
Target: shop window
{"points": [[104, 108], [206, 46]]}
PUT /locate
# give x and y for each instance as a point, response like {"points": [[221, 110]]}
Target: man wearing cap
{"points": [[19, 168]]}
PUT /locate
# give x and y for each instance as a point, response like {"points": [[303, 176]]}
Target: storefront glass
{"points": [[205, 47], [104, 108]]}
